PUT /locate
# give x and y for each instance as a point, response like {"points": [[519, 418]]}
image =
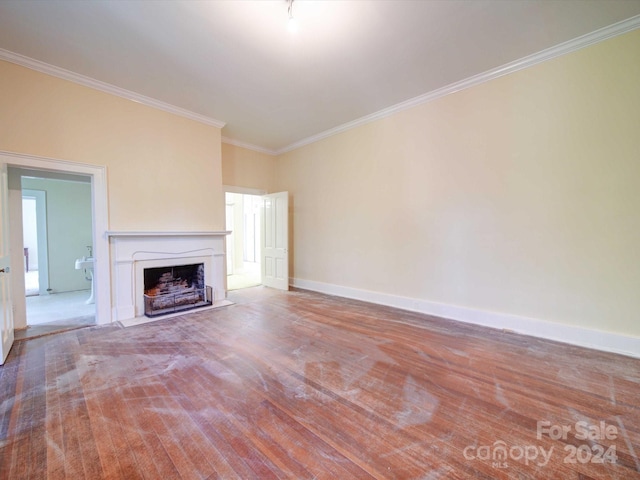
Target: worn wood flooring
{"points": [[303, 386]]}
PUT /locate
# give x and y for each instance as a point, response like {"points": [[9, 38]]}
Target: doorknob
{"points": [[3, 270]]}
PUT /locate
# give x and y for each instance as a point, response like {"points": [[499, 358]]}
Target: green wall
{"points": [[68, 229]]}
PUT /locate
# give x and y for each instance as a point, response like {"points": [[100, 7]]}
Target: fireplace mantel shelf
{"points": [[128, 233]]}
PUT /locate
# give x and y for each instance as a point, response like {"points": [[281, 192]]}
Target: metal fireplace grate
{"points": [[175, 289], [155, 305]]}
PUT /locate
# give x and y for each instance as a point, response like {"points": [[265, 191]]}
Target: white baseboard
{"points": [[583, 337]]}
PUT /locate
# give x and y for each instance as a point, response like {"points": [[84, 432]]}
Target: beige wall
{"points": [[164, 171], [517, 196], [247, 168]]}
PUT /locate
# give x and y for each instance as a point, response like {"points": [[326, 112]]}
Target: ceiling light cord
{"points": [[292, 25]]}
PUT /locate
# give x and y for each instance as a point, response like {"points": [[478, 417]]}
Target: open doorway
{"points": [[57, 230], [34, 238], [13, 292], [30, 239], [243, 245]]}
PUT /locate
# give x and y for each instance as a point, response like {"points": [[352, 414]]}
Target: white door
{"points": [[6, 328], [275, 240]]}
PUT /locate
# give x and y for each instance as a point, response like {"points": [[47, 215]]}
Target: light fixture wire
{"points": [[290, 9]]}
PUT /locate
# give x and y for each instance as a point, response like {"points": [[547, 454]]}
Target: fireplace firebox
{"points": [[175, 289]]}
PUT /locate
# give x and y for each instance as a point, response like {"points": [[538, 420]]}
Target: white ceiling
{"points": [[236, 62]]}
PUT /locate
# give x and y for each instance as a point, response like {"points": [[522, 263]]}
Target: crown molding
{"points": [[521, 64], [525, 62], [248, 146], [105, 87]]}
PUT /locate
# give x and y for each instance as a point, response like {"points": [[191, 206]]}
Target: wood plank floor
{"points": [[301, 385]]}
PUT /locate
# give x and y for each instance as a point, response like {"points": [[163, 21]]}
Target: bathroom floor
{"points": [[31, 285], [59, 311], [58, 306]]}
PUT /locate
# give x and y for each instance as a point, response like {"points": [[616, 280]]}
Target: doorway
{"points": [[34, 235], [243, 244], [58, 293], [99, 201], [30, 239]]}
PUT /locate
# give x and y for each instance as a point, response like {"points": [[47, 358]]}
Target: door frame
{"points": [[99, 209]]}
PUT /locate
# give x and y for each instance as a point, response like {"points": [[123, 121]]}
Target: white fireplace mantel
{"points": [[133, 251], [160, 233]]}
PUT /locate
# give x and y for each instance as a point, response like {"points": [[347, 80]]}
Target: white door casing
{"points": [[274, 234], [6, 328], [100, 214]]}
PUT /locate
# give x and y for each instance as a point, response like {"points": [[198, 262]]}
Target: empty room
{"points": [[316, 239]]}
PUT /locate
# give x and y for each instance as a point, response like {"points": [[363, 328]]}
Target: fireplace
{"points": [[174, 289], [134, 252]]}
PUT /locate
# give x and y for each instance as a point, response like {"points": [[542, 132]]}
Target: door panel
{"points": [[6, 327], [275, 240]]}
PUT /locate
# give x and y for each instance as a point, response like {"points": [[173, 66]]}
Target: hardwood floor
{"points": [[301, 385]]}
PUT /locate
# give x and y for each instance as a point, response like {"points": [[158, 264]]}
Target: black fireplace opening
{"points": [[174, 289]]}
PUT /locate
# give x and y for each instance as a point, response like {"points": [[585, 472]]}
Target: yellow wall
{"points": [[517, 196], [247, 168], [164, 171]]}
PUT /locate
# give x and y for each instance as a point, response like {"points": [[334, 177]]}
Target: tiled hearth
{"points": [[132, 252]]}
